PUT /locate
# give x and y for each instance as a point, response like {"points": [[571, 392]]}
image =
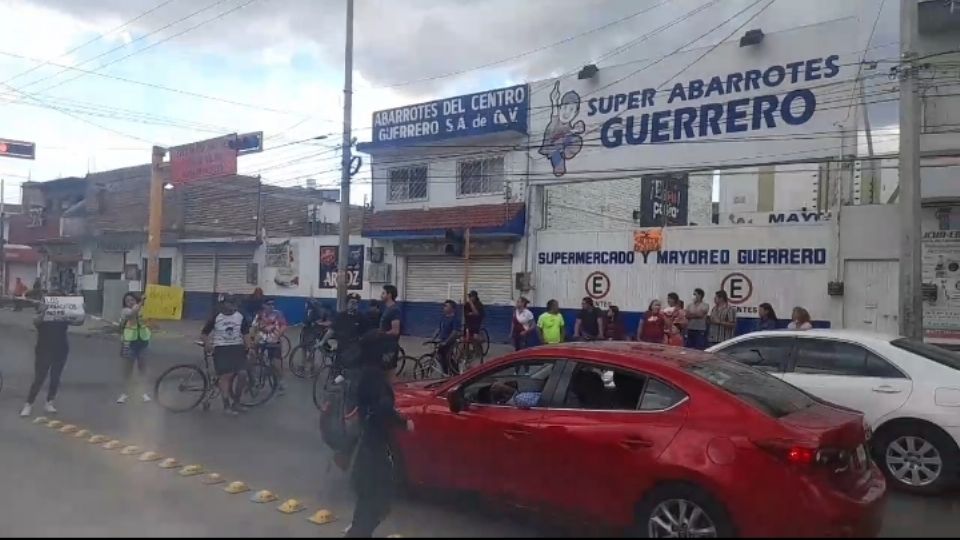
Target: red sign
{"points": [[597, 285], [203, 160]]}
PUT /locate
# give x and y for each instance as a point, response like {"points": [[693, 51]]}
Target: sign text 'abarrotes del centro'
{"points": [[503, 109]]}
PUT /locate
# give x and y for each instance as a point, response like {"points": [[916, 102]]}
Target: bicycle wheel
{"points": [[301, 361], [427, 367], [320, 382], [402, 364], [285, 349], [255, 385], [484, 343], [181, 388]]}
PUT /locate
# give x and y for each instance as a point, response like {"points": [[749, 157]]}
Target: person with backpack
{"points": [[135, 338], [357, 417]]}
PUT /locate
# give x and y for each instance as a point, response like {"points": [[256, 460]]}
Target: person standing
{"points": [[474, 313], [800, 319], [446, 337], [653, 327], [50, 357], [253, 304], [696, 314], [768, 317], [269, 326], [134, 339], [589, 325], [372, 468], [390, 327], [19, 294], [674, 312], [614, 328], [550, 325], [723, 319], [521, 326], [226, 337]]}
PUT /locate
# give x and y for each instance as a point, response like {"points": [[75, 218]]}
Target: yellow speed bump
{"points": [[291, 506], [211, 479], [82, 433], [394, 536], [191, 470], [54, 424], [236, 487], [97, 439], [322, 517], [169, 463], [112, 445], [149, 456], [69, 428], [130, 450], [263, 496], [41, 420]]}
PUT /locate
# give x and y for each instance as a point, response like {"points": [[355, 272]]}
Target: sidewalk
{"points": [[95, 327]]}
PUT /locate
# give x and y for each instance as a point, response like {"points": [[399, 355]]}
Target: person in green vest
{"points": [[135, 337]]}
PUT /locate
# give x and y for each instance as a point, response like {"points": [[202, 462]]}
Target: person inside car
{"points": [[508, 393]]}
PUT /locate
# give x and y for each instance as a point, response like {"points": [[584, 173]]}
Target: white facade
{"points": [[302, 276]]}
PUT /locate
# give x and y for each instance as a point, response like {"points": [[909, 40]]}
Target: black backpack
{"points": [[340, 421]]}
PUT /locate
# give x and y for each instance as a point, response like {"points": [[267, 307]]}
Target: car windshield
{"points": [[763, 391], [928, 351]]}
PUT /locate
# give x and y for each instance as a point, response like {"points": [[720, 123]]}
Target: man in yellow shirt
{"points": [[550, 325]]}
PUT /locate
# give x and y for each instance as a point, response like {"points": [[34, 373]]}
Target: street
{"points": [[56, 484]]}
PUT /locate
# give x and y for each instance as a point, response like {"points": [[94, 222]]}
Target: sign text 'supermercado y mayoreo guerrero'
{"points": [[503, 109], [649, 115]]}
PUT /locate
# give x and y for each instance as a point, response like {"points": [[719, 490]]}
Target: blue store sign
{"points": [[493, 111]]}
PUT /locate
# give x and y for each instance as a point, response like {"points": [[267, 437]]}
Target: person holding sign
{"points": [[54, 316], [135, 337]]}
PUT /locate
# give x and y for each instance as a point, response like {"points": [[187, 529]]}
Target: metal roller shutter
{"points": [[198, 273], [232, 273], [434, 279]]}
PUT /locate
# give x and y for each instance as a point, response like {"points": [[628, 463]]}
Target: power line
{"points": [[44, 63]]}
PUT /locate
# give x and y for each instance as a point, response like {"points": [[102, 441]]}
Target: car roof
{"points": [[861, 336], [633, 353]]}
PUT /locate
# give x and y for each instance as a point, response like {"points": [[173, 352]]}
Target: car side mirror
{"points": [[456, 400]]}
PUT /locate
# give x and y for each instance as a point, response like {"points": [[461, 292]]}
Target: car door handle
{"points": [[514, 434], [635, 443], [886, 389]]}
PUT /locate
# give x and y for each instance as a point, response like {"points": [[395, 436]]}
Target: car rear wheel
{"points": [[918, 458], [681, 511]]}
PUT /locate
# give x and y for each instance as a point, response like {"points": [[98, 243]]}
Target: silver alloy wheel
{"points": [[914, 461], [680, 518]]}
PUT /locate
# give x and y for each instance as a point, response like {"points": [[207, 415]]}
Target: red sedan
{"points": [[649, 440]]}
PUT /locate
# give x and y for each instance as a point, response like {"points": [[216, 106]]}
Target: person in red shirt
{"points": [[653, 326], [614, 329]]}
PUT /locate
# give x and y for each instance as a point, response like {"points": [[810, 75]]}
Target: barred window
{"points": [[408, 184], [480, 176]]}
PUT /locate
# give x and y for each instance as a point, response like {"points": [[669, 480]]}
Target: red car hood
{"points": [[409, 393]]}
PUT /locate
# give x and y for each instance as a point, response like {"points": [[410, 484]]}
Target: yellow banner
{"points": [[163, 303]]}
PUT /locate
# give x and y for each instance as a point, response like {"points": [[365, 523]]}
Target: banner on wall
{"points": [[284, 259], [941, 269], [329, 267], [663, 200], [278, 255], [163, 303]]}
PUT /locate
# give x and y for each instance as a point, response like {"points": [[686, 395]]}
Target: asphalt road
{"points": [[52, 484]]}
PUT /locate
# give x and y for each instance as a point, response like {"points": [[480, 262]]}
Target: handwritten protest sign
{"points": [[63, 308], [163, 303]]}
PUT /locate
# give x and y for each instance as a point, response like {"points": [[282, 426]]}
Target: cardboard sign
{"points": [[63, 309], [163, 303], [648, 240]]}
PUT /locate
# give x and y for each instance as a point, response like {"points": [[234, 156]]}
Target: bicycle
{"points": [[257, 382], [303, 359], [477, 347], [426, 366], [199, 380]]}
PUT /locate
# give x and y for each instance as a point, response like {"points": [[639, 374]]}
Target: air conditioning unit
{"points": [[375, 254], [380, 273]]}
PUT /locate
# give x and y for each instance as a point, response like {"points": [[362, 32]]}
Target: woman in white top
{"points": [[800, 319], [522, 327]]}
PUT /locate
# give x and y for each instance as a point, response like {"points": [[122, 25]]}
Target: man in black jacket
{"points": [[372, 472]]}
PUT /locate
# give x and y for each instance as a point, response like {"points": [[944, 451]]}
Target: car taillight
{"points": [[806, 456]]}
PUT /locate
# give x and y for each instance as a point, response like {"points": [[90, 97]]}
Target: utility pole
{"points": [[466, 272], [911, 304], [344, 255], [156, 216]]}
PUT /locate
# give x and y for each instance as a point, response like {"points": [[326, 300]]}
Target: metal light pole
{"points": [[911, 304], [155, 224], [344, 255]]}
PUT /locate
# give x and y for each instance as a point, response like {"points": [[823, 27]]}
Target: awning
{"points": [[483, 219], [16, 253]]}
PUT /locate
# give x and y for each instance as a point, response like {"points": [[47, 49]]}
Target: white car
{"points": [[909, 393]]}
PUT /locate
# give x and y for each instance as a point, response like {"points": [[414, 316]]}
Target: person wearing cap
{"points": [[226, 336], [347, 327], [269, 326], [474, 313]]}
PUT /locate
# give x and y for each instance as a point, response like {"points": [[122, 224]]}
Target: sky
{"points": [[277, 66]]}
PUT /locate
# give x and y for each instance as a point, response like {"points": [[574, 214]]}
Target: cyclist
{"points": [[474, 313], [446, 336], [227, 337], [269, 327], [390, 329], [316, 320], [347, 328]]}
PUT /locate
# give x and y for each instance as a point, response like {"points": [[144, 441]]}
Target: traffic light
{"points": [[454, 243], [17, 149]]}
